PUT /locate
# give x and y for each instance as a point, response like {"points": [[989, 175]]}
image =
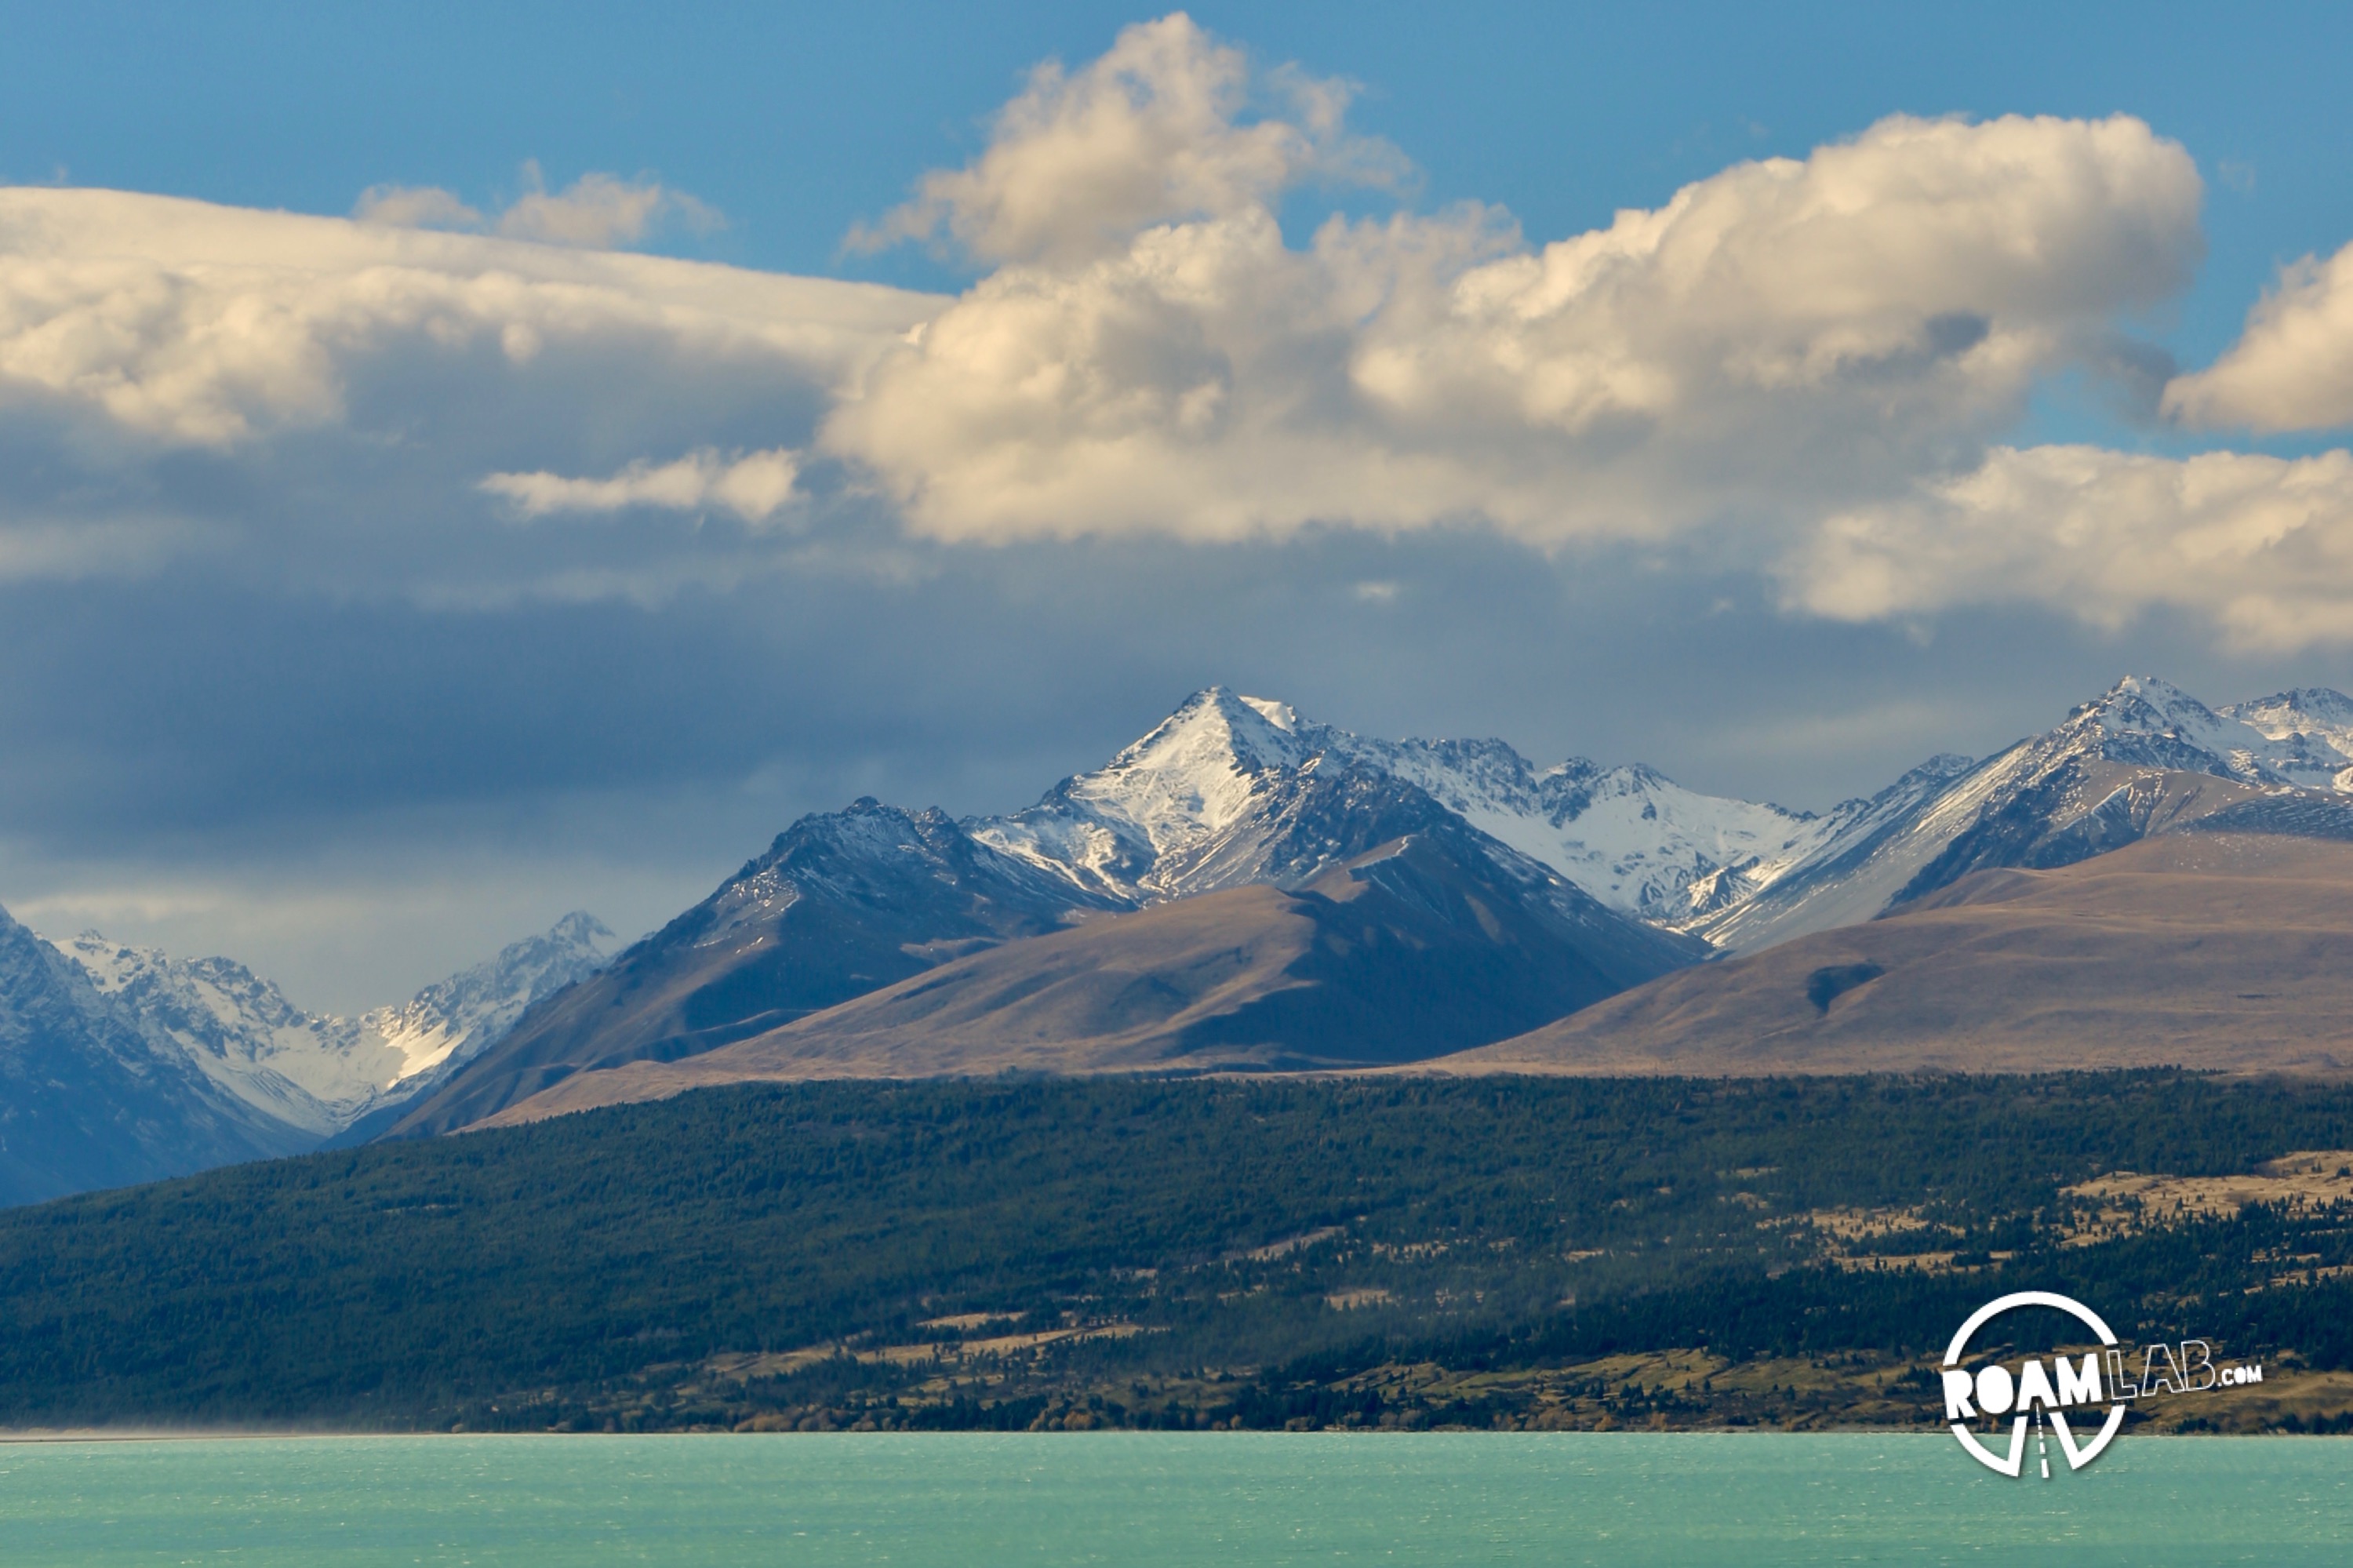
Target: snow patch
{"points": [[314, 1071]]}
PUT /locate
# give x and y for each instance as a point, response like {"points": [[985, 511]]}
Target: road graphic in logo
{"points": [[2099, 1385]]}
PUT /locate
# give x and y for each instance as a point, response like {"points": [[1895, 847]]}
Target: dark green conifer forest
{"points": [[1187, 1252]]}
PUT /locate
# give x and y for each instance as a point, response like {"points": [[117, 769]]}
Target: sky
{"points": [[461, 464]]}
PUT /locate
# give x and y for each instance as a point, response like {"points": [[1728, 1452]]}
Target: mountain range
{"points": [[1233, 792], [1436, 940], [1242, 887], [120, 1064]]}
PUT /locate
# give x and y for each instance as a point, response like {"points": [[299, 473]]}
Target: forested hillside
{"points": [[1560, 1251]]}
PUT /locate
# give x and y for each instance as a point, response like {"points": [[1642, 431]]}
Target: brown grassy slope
{"points": [[1420, 946], [2229, 952]]}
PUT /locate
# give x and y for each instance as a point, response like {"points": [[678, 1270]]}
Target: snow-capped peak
{"points": [[2142, 705], [2144, 701], [2305, 708], [458, 1018], [1199, 800], [1629, 835], [306, 1069], [1167, 814], [1194, 775], [2311, 732], [2302, 737], [1197, 752]]}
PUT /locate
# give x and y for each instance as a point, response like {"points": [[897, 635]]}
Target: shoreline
{"points": [[35, 1439]]}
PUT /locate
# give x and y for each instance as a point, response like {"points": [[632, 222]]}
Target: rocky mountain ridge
{"points": [[314, 1072], [2142, 759], [1169, 815], [840, 904]]}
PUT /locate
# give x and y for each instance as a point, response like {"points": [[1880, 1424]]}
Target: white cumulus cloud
{"points": [[600, 212], [1153, 132], [754, 486], [1785, 336], [2260, 546], [416, 206], [2292, 368]]}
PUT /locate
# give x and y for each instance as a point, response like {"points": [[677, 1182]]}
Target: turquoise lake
{"points": [[1146, 1498]]}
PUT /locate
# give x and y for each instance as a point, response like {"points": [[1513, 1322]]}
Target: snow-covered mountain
{"points": [[2311, 734], [1207, 800], [849, 904], [453, 1021], [912, 911], [1227, 791], [2293, 739], [1197, 803], [315, 1072], [2142, 758], [1202, 801], [90, 1098]]}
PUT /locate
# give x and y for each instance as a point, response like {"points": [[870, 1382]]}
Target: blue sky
{"points": [[798, 120], [293, 672]]}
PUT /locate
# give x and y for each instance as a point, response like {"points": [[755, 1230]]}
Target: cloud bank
{"points": [[1806, 369], [1798, 332], [2260, 547], [183, 323]]}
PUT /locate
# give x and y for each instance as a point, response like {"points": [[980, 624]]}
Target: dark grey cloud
{"points": [[362, 790]]}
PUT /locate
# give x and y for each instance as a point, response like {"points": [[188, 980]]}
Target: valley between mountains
{"points": [[2150, 882]]}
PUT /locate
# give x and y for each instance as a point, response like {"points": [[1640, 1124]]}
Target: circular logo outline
{"points": [[2013, 1464]]}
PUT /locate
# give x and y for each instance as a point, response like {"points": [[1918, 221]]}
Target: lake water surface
{"points": [[1151, 1499]]}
